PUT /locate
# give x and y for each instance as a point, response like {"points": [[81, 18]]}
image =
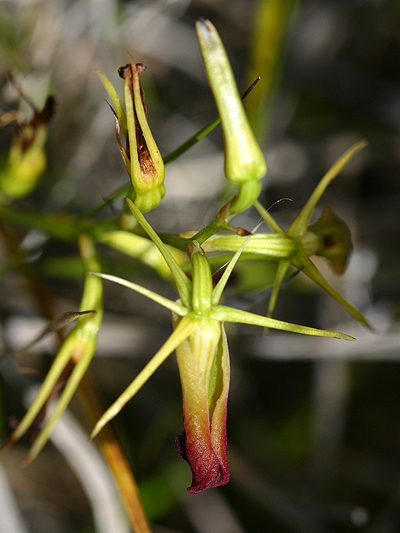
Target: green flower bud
{"points": [[202, 281], [141, 156], [244, 160], [146, 201], [26, 160]]}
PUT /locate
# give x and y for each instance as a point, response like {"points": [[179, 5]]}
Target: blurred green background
{"points": [[313, 424]]}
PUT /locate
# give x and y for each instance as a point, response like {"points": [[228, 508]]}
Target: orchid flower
{"points": [[329, 237], [203, 360], [141, 156]]}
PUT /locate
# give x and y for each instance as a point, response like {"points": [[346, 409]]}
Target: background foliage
{"points": [[313, 425]]}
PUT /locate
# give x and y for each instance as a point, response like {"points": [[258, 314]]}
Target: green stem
{"points": [[192, 141], [214, 227], [203, 132], [60, 226], [118, 193]]}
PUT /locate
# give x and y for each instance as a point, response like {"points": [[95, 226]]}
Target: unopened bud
{"points": [[244, 160], [141, 156]]}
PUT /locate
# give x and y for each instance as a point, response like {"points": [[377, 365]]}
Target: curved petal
{"points": [[203, 444]]}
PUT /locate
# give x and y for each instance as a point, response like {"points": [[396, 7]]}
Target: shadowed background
{"points": [[313, 424]]}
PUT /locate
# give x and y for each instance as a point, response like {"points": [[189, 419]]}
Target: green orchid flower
{"points": [[203, 359], [329, 237], [141, 155]]}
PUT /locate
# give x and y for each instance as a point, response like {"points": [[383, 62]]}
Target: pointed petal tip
{"points": [[344, 337], [361, 144], [361, 318], [203, 23], [106, 417], [97, 428], [196, 489]]}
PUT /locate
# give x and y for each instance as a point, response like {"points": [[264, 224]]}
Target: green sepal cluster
{"points": [[141, 156]]}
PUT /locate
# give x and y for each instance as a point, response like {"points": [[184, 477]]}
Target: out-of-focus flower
{"points": [[26, 160], [72, 360], [203, 360], [141, 156]]}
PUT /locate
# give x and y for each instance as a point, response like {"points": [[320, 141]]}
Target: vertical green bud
{"points": [[244, 160], [141, 156], [202, 280], [146, 164]]}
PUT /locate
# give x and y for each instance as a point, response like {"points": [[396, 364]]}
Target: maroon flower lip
{"points": [[203, 443], [207, 469], [207, 474]]}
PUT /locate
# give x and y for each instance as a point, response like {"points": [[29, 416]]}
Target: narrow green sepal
{"points": [[313, 273], [174, 307], [202, 283], [183, 283], [116, 102], [299, 225], [183, 330], [142, 249], [283, 266], [229, 314]]}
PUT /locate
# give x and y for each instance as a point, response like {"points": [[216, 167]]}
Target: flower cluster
{"points": [[198, 317]]}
